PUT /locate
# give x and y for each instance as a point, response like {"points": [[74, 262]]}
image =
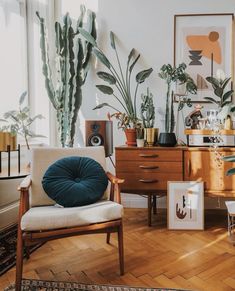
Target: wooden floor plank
{"points": [[154, 256]]}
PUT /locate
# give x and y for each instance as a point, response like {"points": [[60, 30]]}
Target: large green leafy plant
{"points": [[20, 121], [119, 80], [171, 75], [72, 65], [223, 97]]}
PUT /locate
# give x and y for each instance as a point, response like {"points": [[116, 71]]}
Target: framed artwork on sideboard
{"points": [[204, 42], [185, 205]]}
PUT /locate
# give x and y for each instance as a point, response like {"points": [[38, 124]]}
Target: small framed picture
{"points": [[185, 205]]}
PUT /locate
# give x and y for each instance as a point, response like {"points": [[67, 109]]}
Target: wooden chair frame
{"points": [[27, 238]]}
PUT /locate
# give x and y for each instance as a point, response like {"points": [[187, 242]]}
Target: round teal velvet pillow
{"points": [[75, 181]]}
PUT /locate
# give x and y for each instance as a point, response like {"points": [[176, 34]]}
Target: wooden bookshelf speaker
{"points": [[100, 132]]}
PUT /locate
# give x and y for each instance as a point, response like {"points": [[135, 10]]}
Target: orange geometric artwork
{"points": [[207, 45]]}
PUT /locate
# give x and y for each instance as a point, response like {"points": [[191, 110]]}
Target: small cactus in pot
{"points": [[147, 111]]}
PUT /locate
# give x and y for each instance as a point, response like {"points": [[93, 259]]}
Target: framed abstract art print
{"points": [[204, 42], [185, 205]]}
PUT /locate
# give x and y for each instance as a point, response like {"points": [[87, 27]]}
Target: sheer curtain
{"points": [[13, 54], [38, 99]]}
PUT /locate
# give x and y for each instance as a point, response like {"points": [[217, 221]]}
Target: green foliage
{"points": [[219, 86], [147, 110], [171, 75], [120, 80], [72, 64], [19, 121], [230, 159]]}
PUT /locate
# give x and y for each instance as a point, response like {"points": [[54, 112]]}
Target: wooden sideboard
{"points": [[146, 170]]}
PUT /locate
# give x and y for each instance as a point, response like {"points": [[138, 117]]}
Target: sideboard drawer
{"points": [[148, 181], [148, 155], [149, 167]]}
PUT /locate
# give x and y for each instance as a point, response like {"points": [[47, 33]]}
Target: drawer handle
{"points": [[148, 181], [149, 167], [148, 156]]}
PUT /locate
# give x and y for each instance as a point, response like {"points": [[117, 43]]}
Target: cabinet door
{"points": [[208, 167]]}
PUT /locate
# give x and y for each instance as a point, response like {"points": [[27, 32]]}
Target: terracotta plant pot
{"points": [[130, 136]]}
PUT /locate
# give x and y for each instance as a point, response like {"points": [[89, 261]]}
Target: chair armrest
{"points": [[25, 184], [113, 179], [24, 195], [115, 189]]}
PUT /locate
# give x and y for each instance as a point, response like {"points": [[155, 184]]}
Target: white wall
{"points": [[148, 27]]}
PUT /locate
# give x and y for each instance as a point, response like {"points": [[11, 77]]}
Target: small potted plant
{"points": [[171, 75], [147, 111], [140, 136], [6, 137], [19, 121]]}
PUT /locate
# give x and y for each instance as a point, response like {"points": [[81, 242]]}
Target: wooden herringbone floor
{"points": [[154, 256]]}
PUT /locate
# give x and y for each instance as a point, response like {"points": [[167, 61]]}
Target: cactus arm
{"points": [[46, 65]]}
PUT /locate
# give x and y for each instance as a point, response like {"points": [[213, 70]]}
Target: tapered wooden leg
{"points": [[121, 249], [19, 260], [149, 209], [108, 238]]}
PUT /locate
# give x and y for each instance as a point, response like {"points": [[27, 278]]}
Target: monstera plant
{"points": [[118, 80], [72, 65], [171, 75]]}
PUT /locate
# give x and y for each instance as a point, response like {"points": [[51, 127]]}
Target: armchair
{"points": [[40, 220]]}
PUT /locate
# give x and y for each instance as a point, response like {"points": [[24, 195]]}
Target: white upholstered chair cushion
{"points": [[43, 157], [53, 217]]}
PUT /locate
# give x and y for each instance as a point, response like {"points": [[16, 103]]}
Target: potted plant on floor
{"points": [[171, 75], [147, 111], [72, 63], [119, 82]]}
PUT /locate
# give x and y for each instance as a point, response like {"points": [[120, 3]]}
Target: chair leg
{"points": [[19, 260], [121, 249], [108, 237]]}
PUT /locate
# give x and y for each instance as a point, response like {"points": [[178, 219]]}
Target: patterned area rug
{"points": [[8, 239], [38, 285]]}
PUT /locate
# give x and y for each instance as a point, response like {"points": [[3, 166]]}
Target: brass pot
{"points": [[7, 138], [150, 136]]}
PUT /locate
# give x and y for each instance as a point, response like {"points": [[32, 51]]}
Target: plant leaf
{"points": [[107, 77], [225, 82], [227, 95], [105, 89], [229, 158], [131, 54], [87, 36], [219, 92], [141, 76], [112, 40], [22, 97], [101, 106], [101, 57], [211, 100], [230, 172], [213, 81], [133, 64]]}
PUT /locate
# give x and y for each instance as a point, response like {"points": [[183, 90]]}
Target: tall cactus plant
{"points": [[64, 84]]}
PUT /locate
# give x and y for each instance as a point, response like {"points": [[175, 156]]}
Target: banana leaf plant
{"points": [[223, 98], [118, 79], [171, 75]]}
